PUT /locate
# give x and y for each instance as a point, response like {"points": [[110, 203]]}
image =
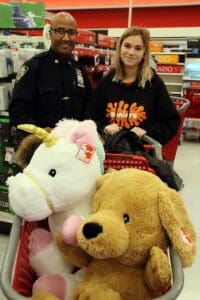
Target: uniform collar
{"points": [[57, 59]]}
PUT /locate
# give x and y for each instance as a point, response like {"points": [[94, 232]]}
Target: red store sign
{"points": [[161, 68]]}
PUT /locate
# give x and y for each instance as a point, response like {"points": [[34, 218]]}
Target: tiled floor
{"points": [[187, 164]]}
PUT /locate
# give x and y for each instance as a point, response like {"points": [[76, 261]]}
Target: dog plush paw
{"points": [[158, 272]]}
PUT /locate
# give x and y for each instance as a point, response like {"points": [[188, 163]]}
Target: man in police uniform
{"points": [[52, 85]]}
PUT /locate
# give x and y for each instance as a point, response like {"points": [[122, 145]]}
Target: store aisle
{"points": [[187, 165]]}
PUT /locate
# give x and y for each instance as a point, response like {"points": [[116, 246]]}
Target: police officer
{"points": [[52, 85]]}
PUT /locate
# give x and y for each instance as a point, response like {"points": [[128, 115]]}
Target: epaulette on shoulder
{"points": [[33, 61]]}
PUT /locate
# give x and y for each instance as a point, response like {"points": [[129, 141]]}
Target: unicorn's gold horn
{"points": [[39, 132]]}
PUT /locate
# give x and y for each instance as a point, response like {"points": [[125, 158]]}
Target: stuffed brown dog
{"points": [[134, 218]]}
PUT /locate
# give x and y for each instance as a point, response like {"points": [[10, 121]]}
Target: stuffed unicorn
{"points": [[60, 180]]}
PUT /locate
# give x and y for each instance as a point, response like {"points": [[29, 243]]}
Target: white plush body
{"points": [[57, 184]]}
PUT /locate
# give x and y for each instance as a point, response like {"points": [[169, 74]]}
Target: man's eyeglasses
{"points": [[60, 32]]}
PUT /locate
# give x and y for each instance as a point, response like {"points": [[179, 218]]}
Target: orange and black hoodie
{"points": [[129, 105]]}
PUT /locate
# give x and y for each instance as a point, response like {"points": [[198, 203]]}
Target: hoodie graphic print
{"points": [[124, 114]]}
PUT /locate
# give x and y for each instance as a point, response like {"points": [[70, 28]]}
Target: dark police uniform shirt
{"points": [[129, 105], [48, 89]]}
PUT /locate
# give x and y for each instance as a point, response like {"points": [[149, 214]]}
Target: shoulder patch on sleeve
{"points": [[21, 72]]}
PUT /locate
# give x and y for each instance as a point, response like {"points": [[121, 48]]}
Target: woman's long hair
{"points": [[145, 72]]}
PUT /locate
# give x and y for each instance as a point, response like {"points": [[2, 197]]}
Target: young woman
{"points": [[132, 96]]}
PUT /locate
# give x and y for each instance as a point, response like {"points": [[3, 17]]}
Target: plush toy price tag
{"points": [[86, 152]]}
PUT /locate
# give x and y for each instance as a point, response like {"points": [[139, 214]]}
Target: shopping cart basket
{"points": [[17, 276], [123, 161], [169, 150]]}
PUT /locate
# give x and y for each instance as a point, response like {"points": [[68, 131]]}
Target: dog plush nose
{"points": [[91, 230]]}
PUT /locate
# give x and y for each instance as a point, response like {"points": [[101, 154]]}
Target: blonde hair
{"points": [[145, 72]]}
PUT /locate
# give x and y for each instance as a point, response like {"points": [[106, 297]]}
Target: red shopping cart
{"points": [[193, 94], [123, 161], [17, 276], [169, 150]]}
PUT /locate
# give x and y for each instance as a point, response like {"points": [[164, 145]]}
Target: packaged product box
{"points": [[156, 46], [167, 58], [5, 95], [4, 204], [86, 37], [3, 64], [8, 146]]}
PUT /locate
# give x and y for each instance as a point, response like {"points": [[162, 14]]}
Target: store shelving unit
{"points": [[191, 86], [7, 167], [170, 67]]}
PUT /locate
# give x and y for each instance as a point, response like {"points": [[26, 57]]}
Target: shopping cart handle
{"points": [[156, 145], [8, 263], [185, 103]]}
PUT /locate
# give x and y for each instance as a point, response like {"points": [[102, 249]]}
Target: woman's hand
{"points": [[139, 131], [112, 129]]}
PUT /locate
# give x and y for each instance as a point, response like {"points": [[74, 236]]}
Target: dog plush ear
{"points": [[175, 220], [100, 183]]}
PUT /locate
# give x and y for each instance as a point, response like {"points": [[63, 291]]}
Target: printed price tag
{"points": [[9, 152]]}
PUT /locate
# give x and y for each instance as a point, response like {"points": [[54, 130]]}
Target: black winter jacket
{"points": [[48, 89]]}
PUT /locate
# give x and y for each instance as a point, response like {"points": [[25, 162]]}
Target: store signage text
{"points": [[162, 68]]}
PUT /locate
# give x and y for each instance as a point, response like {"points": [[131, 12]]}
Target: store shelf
{"points": [[191, 79], [175, 74], [173, 83], [4, 113], [175, 93]]}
